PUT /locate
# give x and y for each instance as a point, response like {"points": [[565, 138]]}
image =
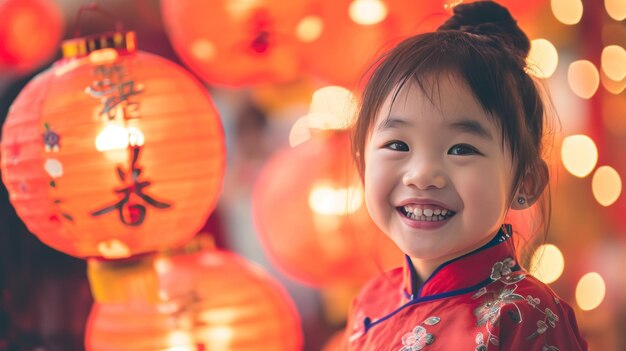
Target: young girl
{"points": [[448, 140]]}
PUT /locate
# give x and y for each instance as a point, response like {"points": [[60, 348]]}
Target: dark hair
{"points": [[482, 45]]}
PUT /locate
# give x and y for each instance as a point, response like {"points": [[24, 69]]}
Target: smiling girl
{"points": [[447, 141]]}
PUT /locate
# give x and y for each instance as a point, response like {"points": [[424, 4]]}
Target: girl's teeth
{"points": [[428, 212], [444, 212], [437, 212], [417, 211]]}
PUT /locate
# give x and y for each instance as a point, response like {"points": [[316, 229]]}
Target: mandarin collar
{"points": [[462, 274]]}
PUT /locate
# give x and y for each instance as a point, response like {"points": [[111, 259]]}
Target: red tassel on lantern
{"points": [[30, 31], [112, 152], [211, 300], [311, 216]]}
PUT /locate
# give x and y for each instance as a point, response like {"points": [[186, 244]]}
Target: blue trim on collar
{"points": [[369, 324], [503, 235]]}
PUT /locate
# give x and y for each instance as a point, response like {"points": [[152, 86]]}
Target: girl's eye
{"points": [[463, 149], [397, 146]]}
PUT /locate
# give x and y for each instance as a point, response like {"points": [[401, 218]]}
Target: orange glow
{"points": [[606, 185], [30, 31], [616, 9], [579, 155], [210, 300], [356, 31], [310, 28], [161, 184], [583, 78], [243, 43], [567, 11], [317, 192], [367, 12], [542, 58], [590, 291], [614, 62], [332, 107]]}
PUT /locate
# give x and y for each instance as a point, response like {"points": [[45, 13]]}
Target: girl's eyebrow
{"points": [[472, 127], [391, 122]]}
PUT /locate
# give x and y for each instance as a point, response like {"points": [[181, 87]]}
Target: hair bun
{"points": [[490, 19]]}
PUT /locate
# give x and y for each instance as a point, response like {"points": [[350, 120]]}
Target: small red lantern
{"points": [[235, 43], [112, 152], [30, 31], [210, 300], [355, 32], [309, 211]]}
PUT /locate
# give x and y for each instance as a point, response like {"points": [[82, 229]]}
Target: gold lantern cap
{"points": [[124, 42]]}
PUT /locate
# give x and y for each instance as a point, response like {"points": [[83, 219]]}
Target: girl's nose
{"points": [[423, 178]]}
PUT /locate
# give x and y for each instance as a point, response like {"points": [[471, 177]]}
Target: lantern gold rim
{"points": [[123, 42]]}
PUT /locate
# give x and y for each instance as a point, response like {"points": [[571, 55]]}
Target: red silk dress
{"points": [[480, 301]]}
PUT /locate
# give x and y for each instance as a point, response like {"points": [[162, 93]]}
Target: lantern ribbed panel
{"points": [[236, 43], [313, 248], [182, 157], [213, 298]]}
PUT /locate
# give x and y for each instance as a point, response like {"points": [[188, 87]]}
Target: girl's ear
{"points": [[531, 187]]}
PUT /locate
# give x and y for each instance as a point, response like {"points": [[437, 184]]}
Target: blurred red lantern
{"points": [[30, 31], [112, 152], [353, 33], [309, 211], [211, 300], [235, 43]]}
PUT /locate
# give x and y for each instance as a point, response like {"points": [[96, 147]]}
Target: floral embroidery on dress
{"points": [[419, 337], [480, 342], [550, 319], [503, 270], [488, 312]]}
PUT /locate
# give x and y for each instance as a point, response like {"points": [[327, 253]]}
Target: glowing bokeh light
{"points": [[367, 12], [567, 11], [113, 249], [115, 137], [583, 78], [203, 49], [326, 200], [547, 263], [579, 155], [542, 58], [606, 185], [613, 62], [299, 132], [103, 56], [616, 9], [309, 28], [590, 291], [613, 87], [332, 107]]}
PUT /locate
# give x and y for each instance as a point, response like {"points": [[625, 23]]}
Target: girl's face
{"points": [[437, 177]]}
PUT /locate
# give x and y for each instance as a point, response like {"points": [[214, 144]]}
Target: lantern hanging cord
{"points": [[119, 27]]}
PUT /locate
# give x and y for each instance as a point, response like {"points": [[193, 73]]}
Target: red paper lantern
{"points": [[311, 217], [212, 300], [235, 43], [345, 49], [30, 31], [112, 152]]}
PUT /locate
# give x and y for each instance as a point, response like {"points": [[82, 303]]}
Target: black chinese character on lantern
{"points": [[114, 90], [130, 207]]}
